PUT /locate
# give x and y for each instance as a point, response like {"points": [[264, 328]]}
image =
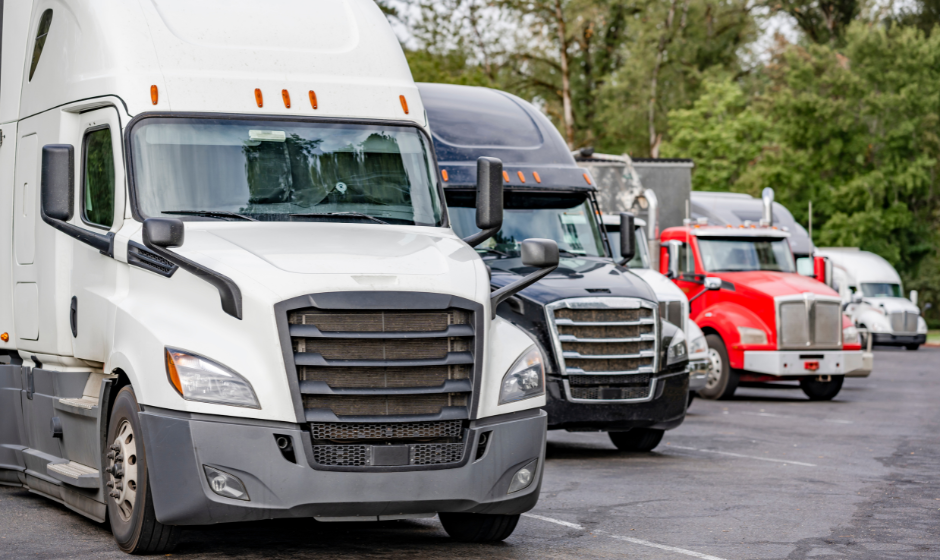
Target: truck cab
{"points": [[614, 363], [763, 321], [230, 289]]}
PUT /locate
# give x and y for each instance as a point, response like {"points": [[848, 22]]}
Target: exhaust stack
{"points": [[768, 198]]}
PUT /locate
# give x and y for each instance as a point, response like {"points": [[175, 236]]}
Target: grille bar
{"points": [[579, 356], [322, 388], [638, 371], [647, 321], [445, 413], [314, 359], [311, 331], [641, 338]]}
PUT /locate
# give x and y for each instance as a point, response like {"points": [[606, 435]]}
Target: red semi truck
{"points": [[763, 321]]}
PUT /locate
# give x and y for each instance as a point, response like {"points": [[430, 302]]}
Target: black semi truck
{"points": [[613, 364]]}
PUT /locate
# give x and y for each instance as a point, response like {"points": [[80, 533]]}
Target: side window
{"points": [[686, 263], [43, 30], [98, 179]]}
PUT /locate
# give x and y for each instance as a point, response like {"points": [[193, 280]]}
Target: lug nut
{"points": [[115, 495], [109, 484]]}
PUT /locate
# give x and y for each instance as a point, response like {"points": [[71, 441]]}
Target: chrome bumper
{"points": [[800, 363]]}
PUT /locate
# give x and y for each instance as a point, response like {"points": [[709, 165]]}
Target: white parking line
{"points": [[641, 542], [770, 415], [670, 446]]}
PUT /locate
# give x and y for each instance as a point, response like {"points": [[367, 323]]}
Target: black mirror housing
{"points": [[489, 193], [540, 253], [57, 186], [163, 232], [627, 237]]}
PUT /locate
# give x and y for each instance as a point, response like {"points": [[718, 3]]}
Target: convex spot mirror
{"points": [[712, 283], [627, 237], [163, 232], [57, 186], [540, 253]]}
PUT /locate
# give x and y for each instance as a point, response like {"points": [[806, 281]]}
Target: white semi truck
{"points": [[229, 289]]}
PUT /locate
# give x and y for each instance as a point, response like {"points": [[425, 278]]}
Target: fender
{"points": [[868, 317], [725, 318]]}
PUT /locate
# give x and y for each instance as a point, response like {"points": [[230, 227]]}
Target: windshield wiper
{"points": [[341, 214], [211, 214], [568, 253], [494, 251]]}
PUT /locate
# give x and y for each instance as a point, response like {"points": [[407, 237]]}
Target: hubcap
{"points": [[122, 470], [714, 369]]}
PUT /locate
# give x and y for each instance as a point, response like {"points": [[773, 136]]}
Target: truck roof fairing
{"points": [[468, 122], [208, 56], [716, 231], [723, 208], [861, 266]]}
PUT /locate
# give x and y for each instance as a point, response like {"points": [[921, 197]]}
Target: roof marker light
{"points": [[587, 178], [285, 95], [404, 103], [154, 94], [536, 175], [521, 176], [444, 175], [505, 176], [313, 99], [259, 99]]}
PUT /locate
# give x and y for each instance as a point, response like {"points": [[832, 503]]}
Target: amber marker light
{"points": [[505, 176], [154, 94], [259, 98], [5, 337], [172, 374], [404, 103], [521, 176], [587, 178], [286, 97], [536, 175], [313, 99], [444, 174]]}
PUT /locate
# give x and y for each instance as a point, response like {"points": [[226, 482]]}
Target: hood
{"points": [[574, 277], [290, 258], [775, 284], [892, 304], [664, 288]]}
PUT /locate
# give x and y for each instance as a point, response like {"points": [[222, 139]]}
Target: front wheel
{"points": [[478, 527], [822, 390], [721, 381], [130, 504], [637, 439]]}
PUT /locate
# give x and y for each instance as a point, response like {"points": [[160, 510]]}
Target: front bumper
{"points": [[787, 363], [179, 444], [666, 410], [888, 339], [698, 374]]}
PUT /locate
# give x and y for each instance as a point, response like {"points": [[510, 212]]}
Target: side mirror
{"points": [[712, 283], [673, 260], [627, 237], [540, 253], [163, 232], [58, 181], [489, 199], [913, 297]]}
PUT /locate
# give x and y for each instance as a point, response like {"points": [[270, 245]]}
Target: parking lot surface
{"points": [[765, 475]]}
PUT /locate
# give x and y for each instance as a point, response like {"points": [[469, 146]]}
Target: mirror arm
{"points": [[228, 290], [700, 294], [506, 292], [102, 242], [481, 236]]}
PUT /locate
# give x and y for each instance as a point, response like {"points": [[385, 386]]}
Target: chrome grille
{"points": [[904, 321], [384, 387], [809, 321], [607, 348], [672, 311]]}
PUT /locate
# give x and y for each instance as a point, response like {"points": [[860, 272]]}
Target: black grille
{"points": [[610, 387], [138, 255], [385, 388], [610, 393], [641, 379]]}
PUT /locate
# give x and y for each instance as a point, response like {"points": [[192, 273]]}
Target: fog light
{"points": [[523, 477], [225, 485]]}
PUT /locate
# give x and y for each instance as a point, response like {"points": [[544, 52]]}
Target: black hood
{"points": [[574, 277]]}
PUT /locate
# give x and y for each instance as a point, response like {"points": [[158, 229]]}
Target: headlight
{"points": [[200, 379], [525, 379], [752, 336], [678, 351], [697, 341], [850, 336]]}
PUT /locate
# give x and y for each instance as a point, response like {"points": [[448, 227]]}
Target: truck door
{"points": [[99, 186]]}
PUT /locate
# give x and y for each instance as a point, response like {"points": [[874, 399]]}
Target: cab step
{"points": [[74, 474]]}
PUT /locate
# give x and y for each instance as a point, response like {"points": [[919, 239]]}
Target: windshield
{"points": [[880, 289], [642, 257], [281, 170], [743, 254], [567, 220]]}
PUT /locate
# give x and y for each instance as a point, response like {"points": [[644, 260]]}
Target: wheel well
{"points": [[709, 330]]}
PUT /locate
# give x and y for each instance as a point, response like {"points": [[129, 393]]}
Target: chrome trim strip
{"points": [[579, 356], [569, 322], [578, 371], [641, 338]]}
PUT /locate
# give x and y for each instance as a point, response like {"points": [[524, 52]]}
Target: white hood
{"points": [[664, 288]]}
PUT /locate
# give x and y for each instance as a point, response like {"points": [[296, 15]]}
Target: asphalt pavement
{"points": [[765, 475]]}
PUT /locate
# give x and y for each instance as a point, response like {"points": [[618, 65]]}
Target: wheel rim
{"points": [[122, 470], [714, 369]]}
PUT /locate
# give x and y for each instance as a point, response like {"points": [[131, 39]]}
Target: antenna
{"points": [[688, 237], [811, 244]]}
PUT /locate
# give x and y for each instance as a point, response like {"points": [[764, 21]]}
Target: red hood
{"points": [[777, 283]]}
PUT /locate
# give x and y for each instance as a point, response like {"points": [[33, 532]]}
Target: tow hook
{"points": [[824, 378], [811, 366]]}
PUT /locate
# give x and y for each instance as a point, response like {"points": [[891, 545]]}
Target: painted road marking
{"points": [[770, 415], [641, 542], [670, 446]]}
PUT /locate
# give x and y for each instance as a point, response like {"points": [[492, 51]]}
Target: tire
{"points": [[912, 346], [637, 439], [478, 527], [863, 339], [722, 380], [691, 398], [130, 503], [822, 390]]}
